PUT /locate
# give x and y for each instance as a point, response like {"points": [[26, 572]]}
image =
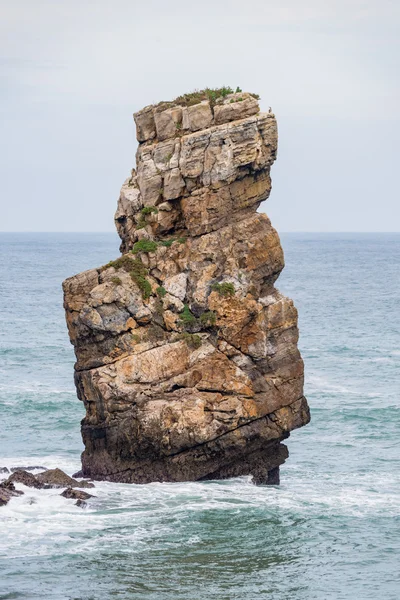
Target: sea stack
{"points": [[187, 358]]}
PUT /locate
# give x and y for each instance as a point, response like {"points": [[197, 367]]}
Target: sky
{"points": [[73, 72]]}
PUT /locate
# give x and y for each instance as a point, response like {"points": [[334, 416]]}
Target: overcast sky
{"points": [[72, 72]]}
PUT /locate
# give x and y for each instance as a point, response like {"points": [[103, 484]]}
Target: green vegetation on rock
{"points": [[138, 273], [192, 339], [141, 223], [224, 289], [197, 96], [161, 291], [208, 318], [136, 270], [144, 246], [168, 243], [123, 262], [148, 210], [187, 317]]}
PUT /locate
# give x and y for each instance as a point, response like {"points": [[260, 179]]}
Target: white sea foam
{"points": [[41, 520]]}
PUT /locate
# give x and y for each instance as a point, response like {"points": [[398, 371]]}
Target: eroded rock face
{"points": [[187, 359]]}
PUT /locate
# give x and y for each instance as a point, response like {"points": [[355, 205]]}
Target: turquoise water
{"points": [[330, 531]]}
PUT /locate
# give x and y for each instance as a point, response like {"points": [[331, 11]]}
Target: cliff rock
{"points": [[187, 358]]}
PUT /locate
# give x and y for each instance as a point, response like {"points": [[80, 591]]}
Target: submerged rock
{"points": [[76, 494], [52, 478], [187, 358], [81, 503], [4, 470]]}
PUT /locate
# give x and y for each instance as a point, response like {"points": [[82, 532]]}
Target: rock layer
{"points": [[187, 358]]}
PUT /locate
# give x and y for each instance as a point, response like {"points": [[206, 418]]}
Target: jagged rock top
{"points": [[170, 119], [199, 166]]}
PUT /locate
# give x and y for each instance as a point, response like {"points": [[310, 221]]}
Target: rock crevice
{"points": [[187, 358]]}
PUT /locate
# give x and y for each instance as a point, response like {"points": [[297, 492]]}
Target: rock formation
{"points": [[49, 478], [187, 359]]}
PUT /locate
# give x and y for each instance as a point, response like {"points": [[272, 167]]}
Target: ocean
{"points": [[331, 529]]}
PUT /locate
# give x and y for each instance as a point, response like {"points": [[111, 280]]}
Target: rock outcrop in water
{"points": [[47, 479], [187, 359]]}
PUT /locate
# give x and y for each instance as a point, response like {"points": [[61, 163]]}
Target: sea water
{"points": [[330, 531]]}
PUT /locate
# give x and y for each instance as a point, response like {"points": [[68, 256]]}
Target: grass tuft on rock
{"points": [[192, 339], [168, 243], [197, 96], [224, 289], [186, 317], [123, 262], [136, 270], [208, 318], [161, 291], [148, 210], [141, 223], [138, 273], [144, 246]]}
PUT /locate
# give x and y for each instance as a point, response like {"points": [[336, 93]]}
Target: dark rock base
{"points": [[199, 464]]}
